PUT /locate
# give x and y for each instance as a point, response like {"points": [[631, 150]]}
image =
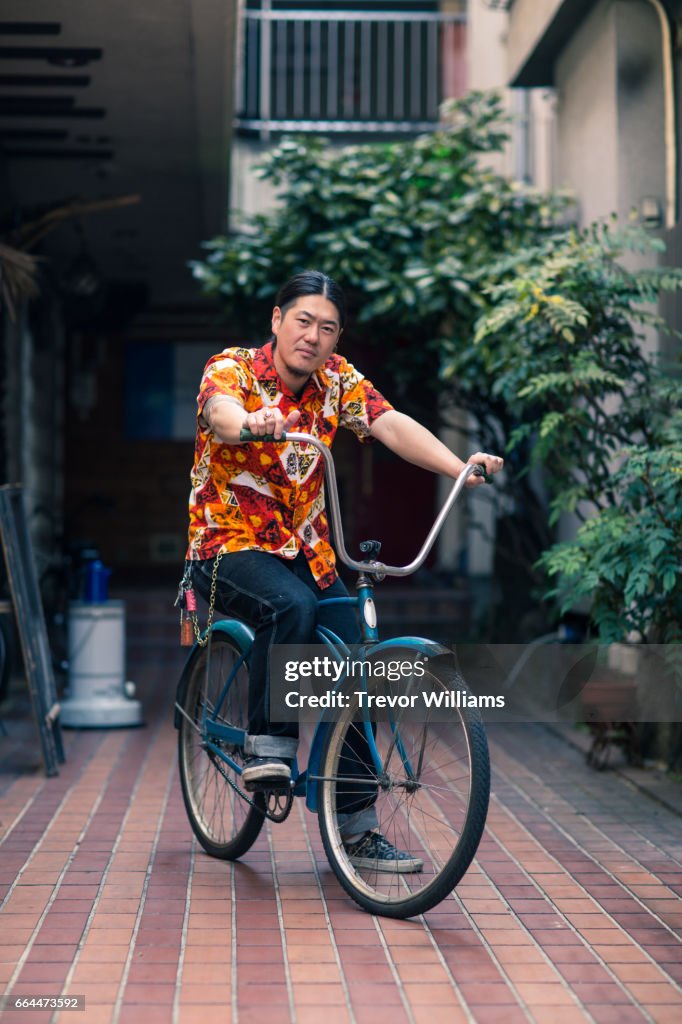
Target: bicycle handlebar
{"points": [[372, 566]]}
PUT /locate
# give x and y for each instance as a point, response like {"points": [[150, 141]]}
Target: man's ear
{"points": [[276, 319]]}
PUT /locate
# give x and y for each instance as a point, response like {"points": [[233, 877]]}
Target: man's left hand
{"points": [[491, 464]]}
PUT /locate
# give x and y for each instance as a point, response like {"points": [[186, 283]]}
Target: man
{"points": [[259, 508]]}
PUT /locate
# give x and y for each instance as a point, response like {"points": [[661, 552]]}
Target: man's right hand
{"points": [[269, 420]]}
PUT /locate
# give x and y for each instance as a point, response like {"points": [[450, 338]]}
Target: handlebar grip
{"points": [[247, 435], [480, 470]]}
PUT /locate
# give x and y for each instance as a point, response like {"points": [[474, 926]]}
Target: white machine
{"points": [[99, 695]]}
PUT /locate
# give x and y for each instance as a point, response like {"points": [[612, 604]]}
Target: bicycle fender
{"points": [[242, 636], [419, 644], [314, 759]]}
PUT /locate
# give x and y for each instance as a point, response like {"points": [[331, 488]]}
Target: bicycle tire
{"points": [[226, 824], [439, 820]]}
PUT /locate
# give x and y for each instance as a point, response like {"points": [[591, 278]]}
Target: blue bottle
{"points": [[97, 582]]}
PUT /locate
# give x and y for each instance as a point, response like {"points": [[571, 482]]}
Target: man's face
{"points": [[306, 335]]}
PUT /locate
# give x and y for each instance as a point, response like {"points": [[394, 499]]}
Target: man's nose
{"points": [[312, 332]]}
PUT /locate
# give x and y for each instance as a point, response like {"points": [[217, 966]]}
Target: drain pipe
{"points": [[670, 128]]}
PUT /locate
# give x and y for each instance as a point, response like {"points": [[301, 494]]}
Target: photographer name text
{"points": [[452, 699]]}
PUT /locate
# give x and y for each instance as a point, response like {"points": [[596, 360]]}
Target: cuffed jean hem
{"points": [[270, 746], [359, 821]]}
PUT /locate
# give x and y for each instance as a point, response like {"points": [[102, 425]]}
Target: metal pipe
{"points": [[382, 62], [265, 71], [375, 127], [391, 16], [281, 69], [315, 68], [415, 66], [349, 73], [299, 62], [332, 69], [365, 69]]}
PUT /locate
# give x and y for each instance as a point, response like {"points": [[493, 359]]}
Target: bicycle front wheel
{"points": [[429, 799], [224, 820]]}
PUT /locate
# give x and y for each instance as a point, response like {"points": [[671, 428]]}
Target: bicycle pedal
{"points": [[278, 804]]}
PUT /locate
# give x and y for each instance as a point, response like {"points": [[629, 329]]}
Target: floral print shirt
{"points": [[266, 496]]}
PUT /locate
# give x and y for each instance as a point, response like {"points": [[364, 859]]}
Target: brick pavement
{"points": [[571, 912]]}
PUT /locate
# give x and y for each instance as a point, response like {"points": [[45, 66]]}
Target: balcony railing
{"points": [[348, 71]]}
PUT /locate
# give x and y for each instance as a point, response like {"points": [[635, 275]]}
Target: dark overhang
{"points": [[537, 68]]}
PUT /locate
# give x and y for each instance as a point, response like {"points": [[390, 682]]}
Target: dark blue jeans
{"points": [[279, 599]]}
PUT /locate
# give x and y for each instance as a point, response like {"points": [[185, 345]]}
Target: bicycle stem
{"points": [[334, 508]]}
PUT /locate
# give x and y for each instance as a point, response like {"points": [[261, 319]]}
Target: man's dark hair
{"points": [[312, 282]]}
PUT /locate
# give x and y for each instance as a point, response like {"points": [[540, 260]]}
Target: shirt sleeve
{"points": [[361, 403], [226, 375]]}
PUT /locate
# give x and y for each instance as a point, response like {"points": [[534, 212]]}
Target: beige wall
{"points": [[587, 154], [609, 85], [640, 126], [249, 194], [531, 153]]}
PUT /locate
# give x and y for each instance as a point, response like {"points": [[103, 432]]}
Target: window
{"points": [[357, 67]]}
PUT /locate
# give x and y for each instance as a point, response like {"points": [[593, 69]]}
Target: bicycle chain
{"points": [[202, 641]]}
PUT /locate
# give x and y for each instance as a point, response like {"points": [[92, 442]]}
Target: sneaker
{"points": [[265, 773], [374, 851]]}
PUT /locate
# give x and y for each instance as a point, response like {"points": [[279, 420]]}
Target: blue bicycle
{"points": [[427, 776]]}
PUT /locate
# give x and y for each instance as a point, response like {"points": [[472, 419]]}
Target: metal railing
{"points": [[347, 71]]}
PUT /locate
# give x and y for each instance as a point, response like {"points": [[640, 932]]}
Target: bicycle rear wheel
{"points": [[430, 796], [223, 820]]}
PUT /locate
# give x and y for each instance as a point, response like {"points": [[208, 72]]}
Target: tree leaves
{"points": [[626, 560]]}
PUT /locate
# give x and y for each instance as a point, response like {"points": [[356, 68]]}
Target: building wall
{"points": [[587, 149], [640, 123], [610, 110], [125, 496], [531, 153]]}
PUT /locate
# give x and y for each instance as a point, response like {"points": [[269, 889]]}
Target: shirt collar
{"points": [[263, 363]]}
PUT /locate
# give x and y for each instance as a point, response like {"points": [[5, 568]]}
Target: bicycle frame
{"points": [[305, 783], [417, 795]]}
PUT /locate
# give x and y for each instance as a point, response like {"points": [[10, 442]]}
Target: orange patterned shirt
{"points": [[267, 496]]}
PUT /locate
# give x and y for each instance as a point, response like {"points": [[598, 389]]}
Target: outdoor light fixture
{"points": [[650, 212]]}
